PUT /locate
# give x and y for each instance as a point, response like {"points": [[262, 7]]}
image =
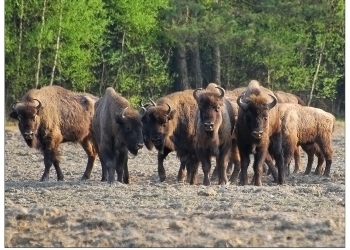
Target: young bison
{"points": [[52, 115], [117, 128], [307, 126]]}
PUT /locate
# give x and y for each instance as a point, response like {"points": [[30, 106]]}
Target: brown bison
{"points": [[311, 128], [169, 124], [258, 131], [117, 128], [52, 115], [214, 123]]}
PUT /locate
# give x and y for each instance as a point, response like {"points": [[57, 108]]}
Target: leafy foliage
{"points": [[295, 46]]}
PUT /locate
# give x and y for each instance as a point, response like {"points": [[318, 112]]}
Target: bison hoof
{"points": [[84, 178], [60, 179], [206, 182], [44, 179], [162, 178], [126, 180]]}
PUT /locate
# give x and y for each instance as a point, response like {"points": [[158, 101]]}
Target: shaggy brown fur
{"points": [[171, 128], [303, 125], [117, 128], [258, 131], [214, 126], [64, 116]]}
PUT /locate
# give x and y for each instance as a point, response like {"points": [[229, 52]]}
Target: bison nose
{"points": [[28, 135], [209, 126], [139, 145], [157, 140], [257, 134]]}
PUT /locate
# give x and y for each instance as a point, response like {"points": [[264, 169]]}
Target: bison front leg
{"points": [[259, 159], [245, 160], [161, 158], [107, 160], [120, 165], [124, 160], [204, 157], [50, 157]]}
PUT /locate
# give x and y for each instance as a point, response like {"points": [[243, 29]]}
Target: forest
{"points": [[151, 48]]}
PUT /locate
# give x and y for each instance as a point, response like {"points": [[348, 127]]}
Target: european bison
{"points": [[258, 132], [214, 127], [117, 128], [307, 126], [170, 127], [53, 115]]}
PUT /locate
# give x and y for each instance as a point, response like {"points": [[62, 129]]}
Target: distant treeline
{"points": [[151, 48]]}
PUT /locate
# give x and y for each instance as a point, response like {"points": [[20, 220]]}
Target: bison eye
{"points": [[164, 124], [128, 128], [217, 109]]}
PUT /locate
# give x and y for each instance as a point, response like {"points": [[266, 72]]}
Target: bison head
{"points": [[131, 128], [256, 113], [209, 105], [28, 116], [145, 127], [158, 123]]}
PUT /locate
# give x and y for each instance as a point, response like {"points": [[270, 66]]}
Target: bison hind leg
{"points": [[91, 150]]}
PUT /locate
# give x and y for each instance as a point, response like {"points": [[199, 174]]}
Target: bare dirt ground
{"points": [[309, 211]]}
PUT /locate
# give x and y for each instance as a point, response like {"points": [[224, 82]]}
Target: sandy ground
{"points": [[309, 211]]}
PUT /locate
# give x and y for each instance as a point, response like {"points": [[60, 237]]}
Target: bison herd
{"points": [[197, 124]]}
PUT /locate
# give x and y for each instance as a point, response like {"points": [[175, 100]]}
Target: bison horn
{"points": [[153, 103], [169, 109], [143, 111], [39, 106], [123, 116], [13, 105], [273, 103], [195, 95], [140, 103], [241, 104], [222, 92]]}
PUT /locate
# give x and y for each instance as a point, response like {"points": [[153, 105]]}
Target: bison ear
{"points": [[171, 114], [14, 115], [118, 118]]}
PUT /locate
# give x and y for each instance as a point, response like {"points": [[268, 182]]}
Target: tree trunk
{"points": [[195, 67], [316, 73], [57, 43], [40, 46], [181, 78], [20, 38], [216, 64], [121, 61]]}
